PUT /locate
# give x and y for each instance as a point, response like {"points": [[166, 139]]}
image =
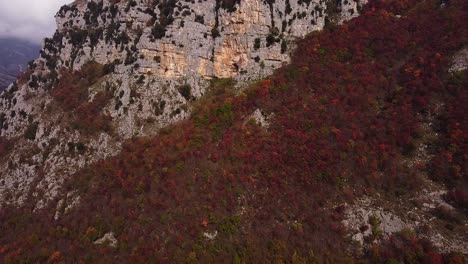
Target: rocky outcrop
{"points": [[159, 55], [460, 61], [203, 39]]}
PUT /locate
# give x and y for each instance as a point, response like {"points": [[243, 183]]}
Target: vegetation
{"points": [[229, 5], [186, 91], [31, 131], [158, 31], [345, 110], [200, 19], [215, 33], [5, 146], [449, 165], [257, 43], [71, 94], [406, 247]]}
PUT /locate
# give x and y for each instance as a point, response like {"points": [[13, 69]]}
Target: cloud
{"points": [[30, 20]]}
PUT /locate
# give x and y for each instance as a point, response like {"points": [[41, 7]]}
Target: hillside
{"points": [[115, 70], [354, 150]]}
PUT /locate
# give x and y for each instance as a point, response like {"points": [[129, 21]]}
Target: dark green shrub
{"points": [[80, 147], [270, 40], [215, 33], [200, 19], [284, 46], [257, 43], [158, 31], [186, 91], [31, 131]]}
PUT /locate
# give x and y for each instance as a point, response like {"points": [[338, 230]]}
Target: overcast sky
{"points": [[29, 19]]}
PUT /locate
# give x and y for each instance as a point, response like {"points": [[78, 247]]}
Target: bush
{"points": [[158, 31], [5, 146], [405, 247], [200, 19], [110, 67], [257, 43], [229, 5], [80, 147], [72, 88], [78, 37], [71, 94], [89, 119], [31, 131], [284, 46], [215, 32], [186, 91], [91, 72], [270, 40]]}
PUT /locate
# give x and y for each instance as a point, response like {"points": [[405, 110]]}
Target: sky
{"points": [[30, 20]]}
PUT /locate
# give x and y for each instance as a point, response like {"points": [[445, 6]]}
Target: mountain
{"points": [[14, 56], [116, 70], [240, 131], [6, 80]]}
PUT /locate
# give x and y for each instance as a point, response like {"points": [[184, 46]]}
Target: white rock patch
{"points": [[459, 61], [108, 238], [260, 119], [210, 235]]}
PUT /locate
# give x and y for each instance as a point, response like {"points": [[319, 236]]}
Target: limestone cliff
{"points": [[151, 49]]}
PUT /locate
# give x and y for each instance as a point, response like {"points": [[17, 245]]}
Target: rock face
{"points": [[161, 56], [203, 39]]}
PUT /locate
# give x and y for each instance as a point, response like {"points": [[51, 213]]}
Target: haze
{"points": [[30, 20]]}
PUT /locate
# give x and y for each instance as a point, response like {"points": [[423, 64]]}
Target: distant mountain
{"points": [[5, 80], [14, 56]]}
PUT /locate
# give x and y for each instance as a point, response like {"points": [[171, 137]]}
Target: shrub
{"points": [[284, 46], [200, 19], [5, 146], [110, 67], [78, 37], [405, 247], [257, 43], [89, 119], [270, 40], [215, 32], [80, 147], [71, 94], [31, 131], [158, 31], [229, 5], [186, 91], [72, 88]]}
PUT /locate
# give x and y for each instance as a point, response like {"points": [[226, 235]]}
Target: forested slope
{"points": [[227, 185]]}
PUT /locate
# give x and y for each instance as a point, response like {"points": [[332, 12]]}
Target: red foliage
{"points": [[345, 111], [449, 165], [405, 247], [71, 93]]}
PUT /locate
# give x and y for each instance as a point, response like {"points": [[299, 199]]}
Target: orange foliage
{"points": [[56, 256]]}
